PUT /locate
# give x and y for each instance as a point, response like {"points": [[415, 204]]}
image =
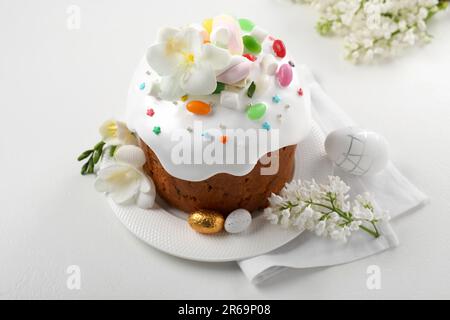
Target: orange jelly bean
{"points": [[198, 107]]}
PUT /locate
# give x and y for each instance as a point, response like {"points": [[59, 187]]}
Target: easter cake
{"points": [[218, 108]]}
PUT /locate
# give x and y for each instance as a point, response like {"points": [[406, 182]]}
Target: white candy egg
{"points": [[237, 221], [357, 151]]}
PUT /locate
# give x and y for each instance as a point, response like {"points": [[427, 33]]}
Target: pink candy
{"points": [[285, 75], [239, 70]]}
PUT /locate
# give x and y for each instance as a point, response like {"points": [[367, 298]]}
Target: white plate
{"points": [[166, 229]]}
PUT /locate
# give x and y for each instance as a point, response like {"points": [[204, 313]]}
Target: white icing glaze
{"points": [[293, 126]]}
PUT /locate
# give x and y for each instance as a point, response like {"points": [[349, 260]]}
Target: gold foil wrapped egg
{"points": [[206, 221]]}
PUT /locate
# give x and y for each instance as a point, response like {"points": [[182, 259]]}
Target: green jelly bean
{"points": [[246, 25], [251, 44], [256, 111]]}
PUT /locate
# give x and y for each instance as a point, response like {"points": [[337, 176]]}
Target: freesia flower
{"points": [[186, 64], [124, 179], [116, 133]]}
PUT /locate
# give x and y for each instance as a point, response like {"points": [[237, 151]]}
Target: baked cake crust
{"points": [[222, 192]]}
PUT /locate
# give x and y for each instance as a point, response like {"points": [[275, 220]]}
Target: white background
{"points": [[57, 86]]}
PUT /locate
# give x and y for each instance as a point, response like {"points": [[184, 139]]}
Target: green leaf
{"points": [[99, 146], [96, 156], [84, 168], [251, 90], [220, 87], [91, 165], [112, 151], [84, 155]]}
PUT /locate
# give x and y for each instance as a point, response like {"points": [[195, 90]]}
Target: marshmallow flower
{"points": [[124, 179], [116, 133], [186, 64]]}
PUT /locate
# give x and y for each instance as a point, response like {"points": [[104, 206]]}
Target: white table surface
{"points": [[58, 85]]}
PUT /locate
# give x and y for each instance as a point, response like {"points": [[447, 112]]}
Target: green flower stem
{"points": [[345, 215]]}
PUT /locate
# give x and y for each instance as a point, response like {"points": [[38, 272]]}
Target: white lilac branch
{"points": [[376, 29], [324, 209]]}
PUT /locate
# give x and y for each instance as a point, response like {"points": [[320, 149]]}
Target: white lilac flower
{"points": [[116, 133], [186, 64], [374, 29], [324, 209], [124, 180]]}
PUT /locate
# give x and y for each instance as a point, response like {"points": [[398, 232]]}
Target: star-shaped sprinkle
{"points": [[157, 130], [266, 126], [300, 92], [223, 139], [206, 136], [276, 99], [184, 98], [150, 112], [142, 86]]}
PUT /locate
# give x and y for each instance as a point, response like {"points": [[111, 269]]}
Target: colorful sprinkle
{"points": [[157, 130], [251, 90], [246, 25], [292, 64], [198, 107], [251, 44], [142, 86], [250, 57], [206, 136], [287, 106], [279, 117], [184, 98], [189, 129], [223, 139], [300, 92], [276, 99], [148, 72], [222, 126], [266, 126], [279, 48], [256, 111], [150, 112]]}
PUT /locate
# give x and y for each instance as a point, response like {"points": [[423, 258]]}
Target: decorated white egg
{"points": [[238, 221], [357, 151]]}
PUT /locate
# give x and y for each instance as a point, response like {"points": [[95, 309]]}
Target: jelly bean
{"points": [[252, 44], [256, 111], [198, 107], [285, 75], [279, 48], [250, 57], [246, 25]]}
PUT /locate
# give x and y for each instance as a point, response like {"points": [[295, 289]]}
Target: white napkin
{"points": [[392, 191]]}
